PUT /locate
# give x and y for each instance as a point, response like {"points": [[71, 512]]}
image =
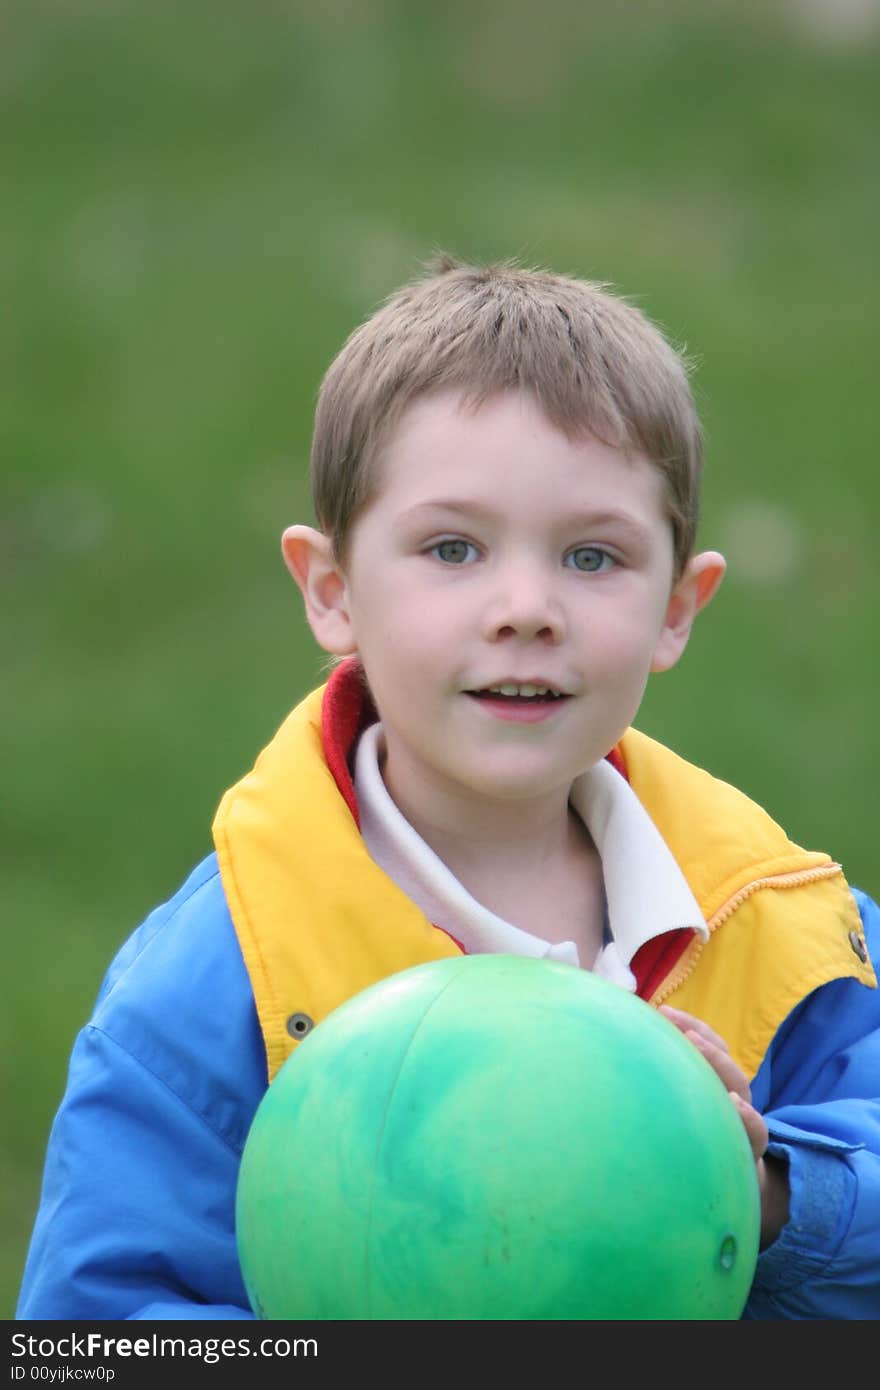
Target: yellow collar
{"points": [[318, 920]]}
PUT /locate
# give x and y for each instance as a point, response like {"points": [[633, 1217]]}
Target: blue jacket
{"points": [[137, 1212]]}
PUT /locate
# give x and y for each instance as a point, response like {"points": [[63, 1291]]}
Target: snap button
{"points": [[858, 946], [299, 1024]]}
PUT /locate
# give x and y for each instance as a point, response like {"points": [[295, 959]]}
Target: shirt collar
{"points": [[646, 891]]}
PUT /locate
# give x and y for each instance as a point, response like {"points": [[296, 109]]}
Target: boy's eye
{"points": [[454, 551], [589, 559]]}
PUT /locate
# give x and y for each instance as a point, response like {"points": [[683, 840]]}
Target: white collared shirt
{"points": [[646, 892]]}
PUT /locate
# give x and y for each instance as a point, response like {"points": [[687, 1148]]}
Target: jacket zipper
{"points": [[791, 880]]}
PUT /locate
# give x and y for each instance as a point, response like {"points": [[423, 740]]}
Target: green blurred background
{"points": [[201, 201]]}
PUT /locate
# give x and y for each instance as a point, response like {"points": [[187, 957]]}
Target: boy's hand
{"points": [[772, 1175]]}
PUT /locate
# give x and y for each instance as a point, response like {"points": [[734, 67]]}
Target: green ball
{"points": [[497, 1137]]}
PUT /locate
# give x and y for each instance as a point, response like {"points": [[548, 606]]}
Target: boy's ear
{"points": [[697, 586], [308, 554]]}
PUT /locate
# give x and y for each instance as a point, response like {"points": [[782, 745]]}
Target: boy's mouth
{"points": [[525, 694]]}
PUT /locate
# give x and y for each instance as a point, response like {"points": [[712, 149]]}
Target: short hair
{"points": [[594, 363]]}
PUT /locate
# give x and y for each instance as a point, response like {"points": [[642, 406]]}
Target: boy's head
{"points": [[506, 468], [593, 363]]}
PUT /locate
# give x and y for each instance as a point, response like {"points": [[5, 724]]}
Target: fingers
{"points": [[689, 1023], [774, 1208], [733, 1077], [754, 1124], [713, 1048]]}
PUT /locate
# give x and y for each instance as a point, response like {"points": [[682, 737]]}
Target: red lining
{"points": [[653, 961], [346, 710]]}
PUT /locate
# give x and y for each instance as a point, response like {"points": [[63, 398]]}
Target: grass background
{"points": [[201, 201]]}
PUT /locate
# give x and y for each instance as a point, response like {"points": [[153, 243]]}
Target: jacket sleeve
{"points": [[819, 1089], [136, 1215], [137, 1212]]}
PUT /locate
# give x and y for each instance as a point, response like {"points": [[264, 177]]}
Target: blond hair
{"points": [[594, 363]]}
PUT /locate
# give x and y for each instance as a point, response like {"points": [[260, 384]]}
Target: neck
{"points": [[475, 836], [505, 852]]}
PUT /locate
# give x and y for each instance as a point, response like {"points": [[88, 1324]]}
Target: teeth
{"points": [[526, 690]]}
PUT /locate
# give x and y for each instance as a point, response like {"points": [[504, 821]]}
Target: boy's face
{"points": [[498, 552]]}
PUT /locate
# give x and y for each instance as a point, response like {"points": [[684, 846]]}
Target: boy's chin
{"points": [[517, 784]]}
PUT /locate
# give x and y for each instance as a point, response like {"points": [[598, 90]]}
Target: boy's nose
{"points": [[524, 607]]}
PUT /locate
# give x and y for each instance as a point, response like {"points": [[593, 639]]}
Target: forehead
{"points": [[443, 447]]}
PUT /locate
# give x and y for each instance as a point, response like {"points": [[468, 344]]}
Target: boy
{"points": [[506, 470]]}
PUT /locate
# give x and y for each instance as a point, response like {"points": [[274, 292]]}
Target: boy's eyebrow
{"points": [[446, 504], [622, 520]]}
